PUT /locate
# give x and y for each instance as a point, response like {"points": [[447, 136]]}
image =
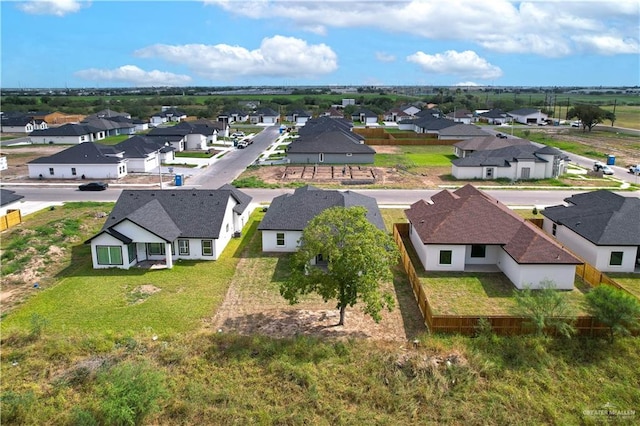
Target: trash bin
{"points": [[611, 160], [179, 180]]}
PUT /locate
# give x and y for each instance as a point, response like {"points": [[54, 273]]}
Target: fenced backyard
{"points": [[502, 324]]}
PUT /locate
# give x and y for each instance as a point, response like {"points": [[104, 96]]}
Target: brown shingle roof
{"points": [[469, 216]]}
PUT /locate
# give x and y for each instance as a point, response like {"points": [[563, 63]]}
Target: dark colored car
{"points": [[93, 186], [501, 136]]}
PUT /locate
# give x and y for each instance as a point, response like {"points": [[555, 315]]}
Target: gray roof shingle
{"points": [[84, 153]]}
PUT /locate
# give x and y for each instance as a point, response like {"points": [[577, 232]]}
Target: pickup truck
{"points": [[635, 169]]}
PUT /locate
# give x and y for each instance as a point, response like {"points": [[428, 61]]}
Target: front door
{"points": [[525, 173], [489, 173]]}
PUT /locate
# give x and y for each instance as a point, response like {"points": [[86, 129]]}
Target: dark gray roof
{"points": [[494, 113], [502, 157], [524, 111], [432, 123], [140, 146], [7, 197], [84, 153], [240, 196], [602, 217], [16, 121], [324, 124], [177, 213], [336, 142], [109, 113], [292, 212], [462, 130], [265, 111], [483, 143], [170, 112], [66, 130], [365, 112]]}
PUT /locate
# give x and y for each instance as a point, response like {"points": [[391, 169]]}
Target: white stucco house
{"points": [[168, 225], [67, 134], [601, 227], [515, 162], [145, 154], [528, 116], [88, 160], [465, 228], [289, 214]]}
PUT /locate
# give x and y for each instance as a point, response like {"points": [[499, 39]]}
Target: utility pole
{"points": [[615, 101]]}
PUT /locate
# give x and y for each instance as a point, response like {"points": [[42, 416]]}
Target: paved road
{"points": [[234, 163]]}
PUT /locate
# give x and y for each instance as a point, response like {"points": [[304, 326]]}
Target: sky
{"points": [[68, 43]]}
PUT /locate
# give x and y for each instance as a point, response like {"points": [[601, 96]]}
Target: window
{"points": [[109, 255], [183, 247], [478, 250], [132, 252], [554, 229], [280, 239], [73, 171], [445, 257], [207, 247], [155, 249], [51, 171], [489, 172], [616, 258]]}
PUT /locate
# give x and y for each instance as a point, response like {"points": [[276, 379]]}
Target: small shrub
{"points": [[15, 407], [37, 325]]}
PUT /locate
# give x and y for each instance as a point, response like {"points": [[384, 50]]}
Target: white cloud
{"points": [[468, 84], [277, 56], [466, 64], [133, 75], [546, 27], [607, 44], [385, 57], [52, 7]]}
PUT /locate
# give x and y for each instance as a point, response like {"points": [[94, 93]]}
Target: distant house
{"points": [[430, 124], [395, 115], [332, 113], [484, 143], [298, 117], [109, 113], [219, 128], [600, 226], [264, 116], [233, 116], [328, 140], [494, 116], [145, 154], [528, 116], [512, 162], [67, 134], [17, 125], [140, 125], [410, 110], [87, 160], [463, 116], [167, 114], [186, 135], [169, 225], [465, 228], [289, 214], [365, 116]]}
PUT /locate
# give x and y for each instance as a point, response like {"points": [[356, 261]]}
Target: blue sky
{"points": [[68, 43]]}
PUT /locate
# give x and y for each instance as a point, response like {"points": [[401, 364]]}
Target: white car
{"points": [[598, 166], [237, 135]]}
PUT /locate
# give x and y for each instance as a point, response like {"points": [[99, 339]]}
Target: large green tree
{"points": [[358, 256], [545, 308], [614, 308], [589, 115]]}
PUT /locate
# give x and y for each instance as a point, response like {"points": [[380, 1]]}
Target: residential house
{"points": [[186, 135], [529, 116], [67, 134], [328, 140], [332, 113], [365, 116], [145, 154], [467, 230], [17, 125], [494, 116], [430, 124], [512, 162], [167, 114], [109, 113], [463, 116], [86, 160], [600, 226], [139, 125], [289, 214], [169, 225], [395, 115], [233, 116], [298, 117], [264, 116], [410, 110], [219, 128], [484, 143]]}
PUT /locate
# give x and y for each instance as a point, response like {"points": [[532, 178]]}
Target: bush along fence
{"points": [[12, 218], [469, 324]]}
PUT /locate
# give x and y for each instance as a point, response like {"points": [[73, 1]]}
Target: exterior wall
{"points": [[226, 230], [239, 221], [532, 275], [291, 239], [90, 171], [3, 163], [535, 118], [108, 240], [314, 158], [433, 258], [18, 129], [142, 165], [67, 140], [598, 256], [491, 256], [196, 142], [141, 127]]}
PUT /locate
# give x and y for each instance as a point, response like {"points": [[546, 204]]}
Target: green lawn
{"points": [[630, 281], [100, 301], [114, 140], [194, 154], [417, 156]]}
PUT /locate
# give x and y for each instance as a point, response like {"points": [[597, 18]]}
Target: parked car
{"points": [[93, 186], [501, 136], [598, 166], [635, 169], [237, 135], [576, 123], [241, 145]]}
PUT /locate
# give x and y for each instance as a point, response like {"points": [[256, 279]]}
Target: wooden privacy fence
{"points": [[468, 324], [379, 136], [12, 218]]}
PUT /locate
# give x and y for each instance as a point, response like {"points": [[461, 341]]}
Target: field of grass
{"points": [[114, 140], [411, 157], [92, 350], [194, 154], [631, 282]]}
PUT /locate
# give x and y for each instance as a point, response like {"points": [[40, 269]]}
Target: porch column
{"points": [[169, 258]]}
